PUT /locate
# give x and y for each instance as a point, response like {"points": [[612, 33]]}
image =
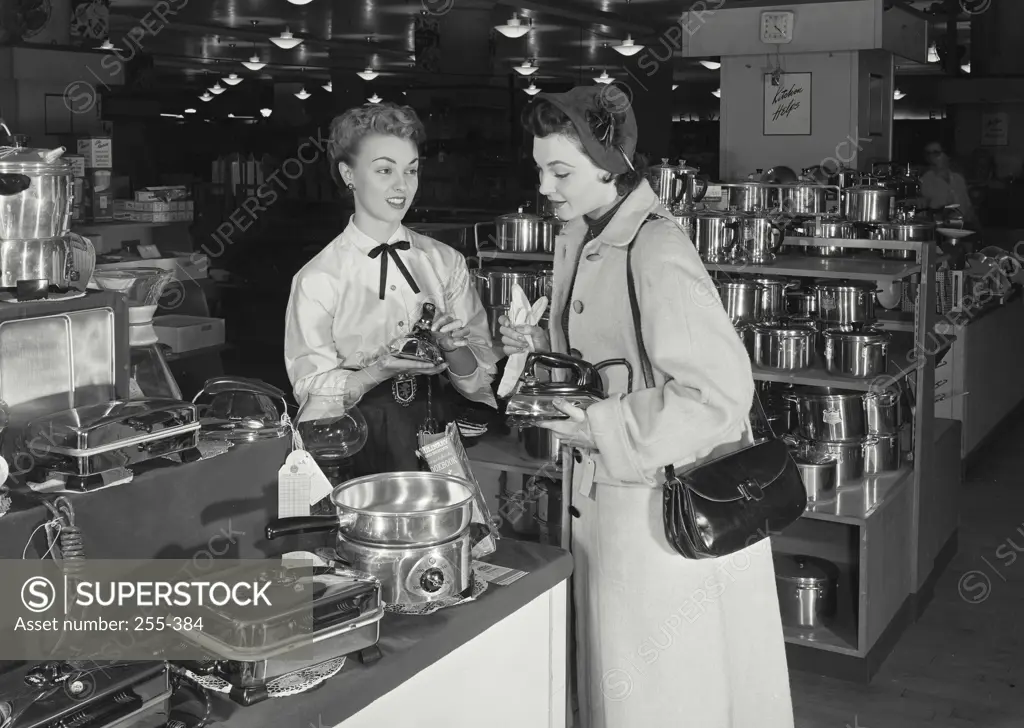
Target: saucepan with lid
{"points": [[784, 347], [521, 232], [807, 590], [857, 353]]}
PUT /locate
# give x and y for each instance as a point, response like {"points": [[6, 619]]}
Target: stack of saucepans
{"points": [[789, 327], [521, 232], [494, 284]]}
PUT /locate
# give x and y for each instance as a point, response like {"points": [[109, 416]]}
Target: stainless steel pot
{"points": [[786, 348], [36, 193], [66, 262], [857, 353], [826, 414], [717, 236], [742, 300], [393, 510], [848, 456], [677, 184], [687, 220], [807, 589], [801, 303], [541, 444], [881, 453], [760, 240], [908, 232], [867, 204], [546, 284], [819, 478], [753, 197], [845, 303], [829, 227], [494, 284], [521, 232], [883, 413], [773, 297], [804, 199]]}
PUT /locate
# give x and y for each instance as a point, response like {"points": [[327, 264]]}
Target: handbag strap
{"points": [[645, 361]]}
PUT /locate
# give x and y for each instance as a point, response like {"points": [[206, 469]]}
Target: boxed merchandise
{"points": [[169, 193], [77, 164], [188, 333], [97, 151], [102, 207]]}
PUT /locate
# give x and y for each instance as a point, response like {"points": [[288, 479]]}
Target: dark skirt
{"points": [[393, 428]]}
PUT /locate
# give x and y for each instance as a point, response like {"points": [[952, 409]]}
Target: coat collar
{"points": [[631, 214]]}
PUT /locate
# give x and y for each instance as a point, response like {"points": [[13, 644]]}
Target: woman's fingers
{"points": [[576, 414]]}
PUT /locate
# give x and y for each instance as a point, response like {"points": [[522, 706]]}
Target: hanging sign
{"points": [[787, 104], [995, 129]]}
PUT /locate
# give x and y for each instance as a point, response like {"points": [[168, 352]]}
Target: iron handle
{"points": [[554, 361], [612, 362]]}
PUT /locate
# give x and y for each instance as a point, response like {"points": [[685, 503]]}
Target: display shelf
{"points": [[864, 268], [80, 226], [492, 254], [895, 320], [853, 504], [860, 243], [900, 365], [204, 351]]}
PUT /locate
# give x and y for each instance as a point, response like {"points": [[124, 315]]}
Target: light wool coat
{"points": [[660, 640]]}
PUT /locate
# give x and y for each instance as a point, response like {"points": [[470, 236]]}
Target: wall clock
{"points": [[777, 26]]}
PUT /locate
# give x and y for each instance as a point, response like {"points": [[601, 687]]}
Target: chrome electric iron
{"points": [[532, 400], [420, 344]]}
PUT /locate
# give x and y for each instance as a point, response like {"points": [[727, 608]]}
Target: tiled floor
{"points": [[962, 664]]}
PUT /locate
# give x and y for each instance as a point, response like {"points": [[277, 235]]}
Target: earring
{"points": [[351, 186]]}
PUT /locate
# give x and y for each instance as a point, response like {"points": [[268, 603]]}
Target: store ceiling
{"points": [[209, 38]]}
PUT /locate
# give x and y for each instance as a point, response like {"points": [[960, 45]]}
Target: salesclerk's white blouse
{"points": [[336, 322]]}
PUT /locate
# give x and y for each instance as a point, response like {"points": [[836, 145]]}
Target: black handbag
{"points": [[732, 502]]}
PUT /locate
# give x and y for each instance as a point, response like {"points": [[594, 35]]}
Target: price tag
{"points": [[714, 192], [494, 574]]}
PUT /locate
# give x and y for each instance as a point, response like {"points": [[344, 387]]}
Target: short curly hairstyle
{"points": [[350, 128], [542, 118]]}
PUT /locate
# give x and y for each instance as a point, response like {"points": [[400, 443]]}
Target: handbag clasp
{"points": [[751, 490]]}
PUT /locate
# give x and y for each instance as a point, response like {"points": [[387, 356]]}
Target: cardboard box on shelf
{"points": [[188, 333], [97, 151], [77, 164], [169, 193], [102, 207]]}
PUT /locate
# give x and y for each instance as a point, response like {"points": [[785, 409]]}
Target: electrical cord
{"points": [[181, 682]]}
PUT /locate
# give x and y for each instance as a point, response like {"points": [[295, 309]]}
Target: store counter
{"points": [[498, 660]]}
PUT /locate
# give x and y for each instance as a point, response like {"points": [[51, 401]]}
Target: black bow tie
{"points": [[392, 250]]}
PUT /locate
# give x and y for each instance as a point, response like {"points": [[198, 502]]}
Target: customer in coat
{"points": [[660, 640], [366, 288]]}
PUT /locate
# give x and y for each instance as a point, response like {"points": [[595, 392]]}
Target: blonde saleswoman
{"points": [[366, 288], [660, 640]]}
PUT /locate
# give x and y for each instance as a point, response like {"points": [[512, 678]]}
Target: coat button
{"points": [[577, 306], [574, 512]]}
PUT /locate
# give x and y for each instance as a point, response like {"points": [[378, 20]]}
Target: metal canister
{"points": [[807, 590]]}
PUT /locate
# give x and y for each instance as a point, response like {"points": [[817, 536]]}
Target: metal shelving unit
{"points": [[863, 268]]}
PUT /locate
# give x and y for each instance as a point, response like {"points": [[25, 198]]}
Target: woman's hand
{"points": [[515, 339], [450, 333], [389, 366], [574, 431]]}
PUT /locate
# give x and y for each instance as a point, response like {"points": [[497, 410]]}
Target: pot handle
{"points": [[295, 525], [612, 362], [14, 184], [700, 189]]}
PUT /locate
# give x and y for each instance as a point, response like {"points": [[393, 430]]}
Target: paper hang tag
{"points": [[300, 484]]}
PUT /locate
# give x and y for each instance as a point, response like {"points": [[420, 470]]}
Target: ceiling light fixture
{"points": [[717, 93], [300, 2], [628, 47], [254, 63], [368, 75], [233, 80], [190, 111], [375, 99], [514, 28], [711, 65], [603, 78], [966, 67], [107, 46], [675, 86], [933, 53], [207, 96], [532, 89], [173, 116], [217, 89], [303, 94], [897, 95], [525, 69], [266, 113], [286, 40], [328, 87]]}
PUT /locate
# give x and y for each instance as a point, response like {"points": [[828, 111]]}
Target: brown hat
{"points": [[604, 121]]}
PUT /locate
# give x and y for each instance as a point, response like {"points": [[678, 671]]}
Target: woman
{"points": [[367, 287], [660, 640], [941, 186]]}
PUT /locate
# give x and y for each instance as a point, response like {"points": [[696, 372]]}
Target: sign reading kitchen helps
{"points": [[787, 104]]}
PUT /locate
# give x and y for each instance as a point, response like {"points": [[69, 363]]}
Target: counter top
{"points": [[409, 644]]}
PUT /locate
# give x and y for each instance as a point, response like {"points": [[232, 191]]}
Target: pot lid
{"points": [[787, 331], [866, 335], [25, 160], [516, 216], [804, 570]]}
